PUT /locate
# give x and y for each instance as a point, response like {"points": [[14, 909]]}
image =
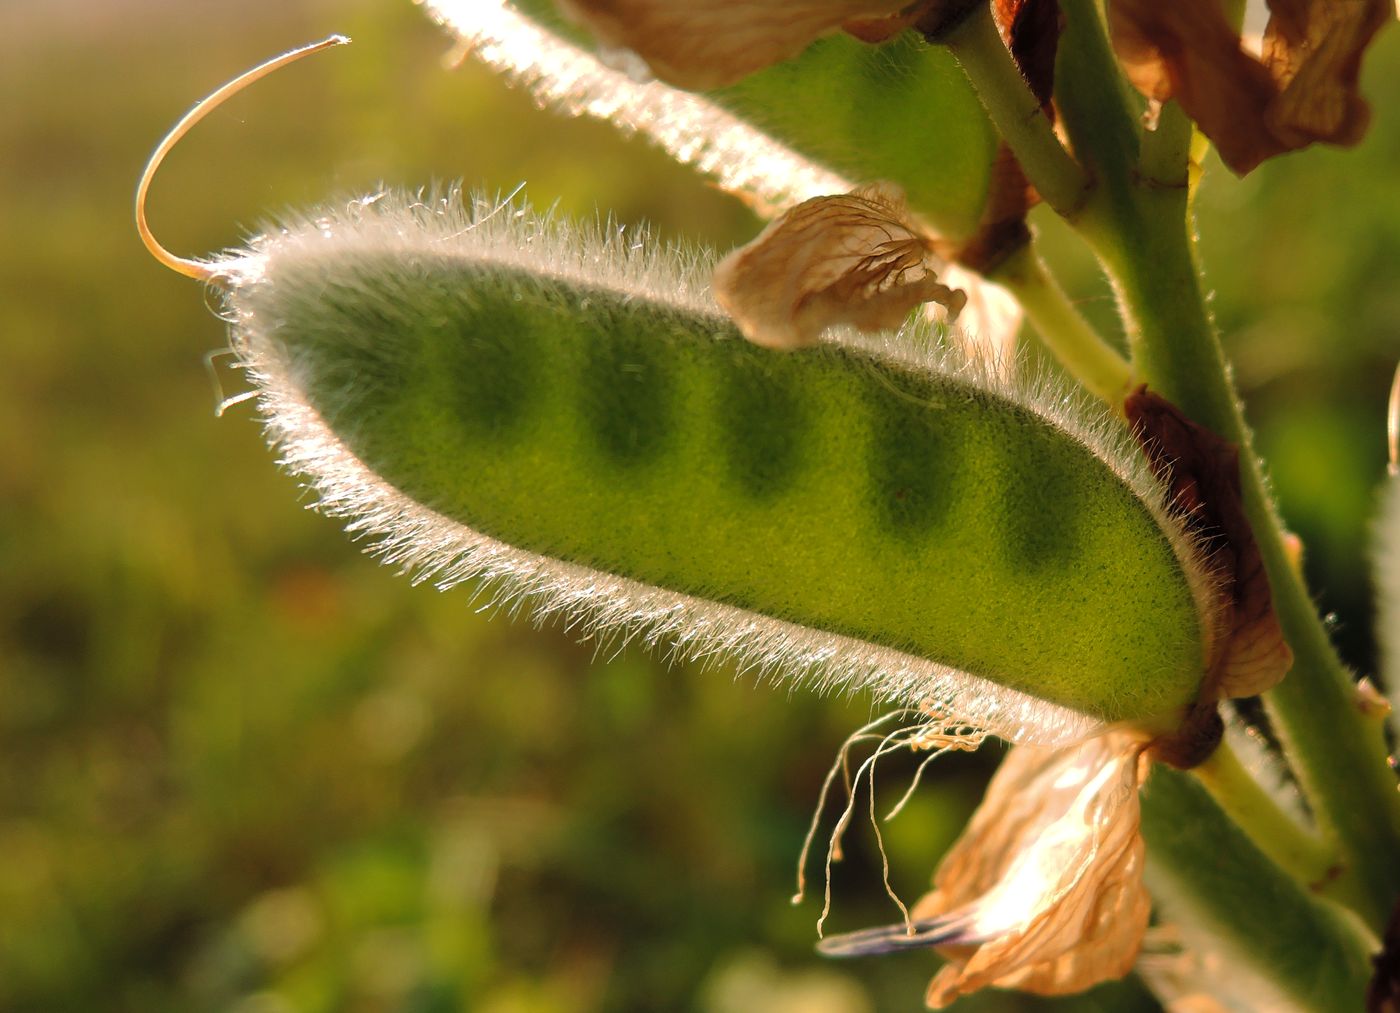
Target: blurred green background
{"points": [[244, 768]]}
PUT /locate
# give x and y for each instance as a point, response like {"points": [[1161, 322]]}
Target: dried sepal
{"points": [[1043, 892], [857, 258], [1248, 653], [711, 43], [1303, 89], [1003, 229]]}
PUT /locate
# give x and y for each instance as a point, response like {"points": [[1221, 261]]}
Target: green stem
{"points": [[1166, 151], [1098, 114], [1016, 112], [1141, 235], [1274, 832], [1062, 329], [1338, 756]]}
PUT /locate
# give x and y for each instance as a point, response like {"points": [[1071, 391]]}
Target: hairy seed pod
{"points": [[488, 395]]}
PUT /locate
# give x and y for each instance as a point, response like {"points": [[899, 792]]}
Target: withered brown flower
{"points": [[1043, 892], [1302, 87], [859, 258]]}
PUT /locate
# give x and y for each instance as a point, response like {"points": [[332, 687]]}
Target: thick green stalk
{"points": [[1141, 234], [1016, 112]]}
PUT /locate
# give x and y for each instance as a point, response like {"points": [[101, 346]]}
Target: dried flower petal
{"points": [[1248, 654], [1186, 50], [1043, 892], [858, 258], [1048, 874], [1313, 49], [1303, 90], [988, 324], [703, 44]]}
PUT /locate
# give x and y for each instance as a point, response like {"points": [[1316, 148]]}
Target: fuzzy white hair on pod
{"points": [[402, 532]]}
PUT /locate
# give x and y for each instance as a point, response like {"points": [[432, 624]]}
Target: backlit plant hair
{"points": [[579, 422]]}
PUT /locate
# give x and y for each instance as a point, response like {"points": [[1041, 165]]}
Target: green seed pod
{"points": [[485, 395]]}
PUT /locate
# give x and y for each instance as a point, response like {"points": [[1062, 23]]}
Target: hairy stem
{"points": [[1063, 330], [1339, 757], [1292, 847], [1141, 234], [1016, 112]]}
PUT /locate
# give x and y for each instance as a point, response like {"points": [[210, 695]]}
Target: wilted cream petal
{"points": [[858, 258], [1046, 883], [703, 44]]}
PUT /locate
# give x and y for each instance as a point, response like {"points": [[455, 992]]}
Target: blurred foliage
{"points": [[244, 768]]}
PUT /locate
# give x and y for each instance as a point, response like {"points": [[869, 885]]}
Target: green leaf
{"points": [[842, 113], [493, 397], [1265, 943]]}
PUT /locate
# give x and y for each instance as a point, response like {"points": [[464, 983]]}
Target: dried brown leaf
{"points": [[703, 44], [1045, 884], [858, 259], [1248, 653]]}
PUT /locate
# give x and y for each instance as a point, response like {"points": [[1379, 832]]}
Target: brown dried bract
{"points": [[1383, 992], [1044, 888], [1304, 89], [858, 258], [1002, 228], [1031, 30], [1248, 653], [703, 44]]}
